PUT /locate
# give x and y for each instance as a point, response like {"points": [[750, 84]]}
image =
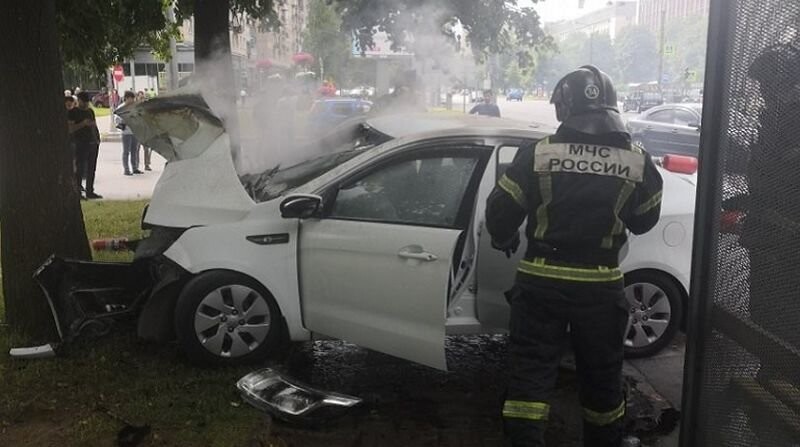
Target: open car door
{"points": [[375, 269]]}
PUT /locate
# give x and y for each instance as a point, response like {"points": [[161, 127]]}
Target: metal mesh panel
{"points": [[747, 390]]}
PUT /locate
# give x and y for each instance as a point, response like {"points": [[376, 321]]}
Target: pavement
{"points": [[109, 179]]}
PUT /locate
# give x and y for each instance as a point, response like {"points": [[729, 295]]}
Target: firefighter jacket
{"points": [[579, 193]]}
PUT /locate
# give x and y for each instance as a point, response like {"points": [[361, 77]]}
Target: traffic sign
{"points": [[118, 73]]}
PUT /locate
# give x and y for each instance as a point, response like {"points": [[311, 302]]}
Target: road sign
{"points": [[118, 73]]}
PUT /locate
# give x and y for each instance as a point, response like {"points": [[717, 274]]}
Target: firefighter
{"points": [[580, 189]]}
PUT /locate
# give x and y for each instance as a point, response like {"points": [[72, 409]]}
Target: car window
{"points": [[661, 116], [505, 156], [423, 191], [684, 118]]}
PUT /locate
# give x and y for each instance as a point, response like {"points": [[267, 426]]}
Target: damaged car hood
{"points": [[199, 185]]}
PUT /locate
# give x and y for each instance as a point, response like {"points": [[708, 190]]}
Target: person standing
{"points": [[579, 190], [86, 137], [488, 107], [147, 150], [130, 147]]}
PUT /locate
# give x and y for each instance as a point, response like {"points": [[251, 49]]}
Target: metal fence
{"points": [[742, 378]]}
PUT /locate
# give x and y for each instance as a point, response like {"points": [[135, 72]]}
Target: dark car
{"points": [[668, 129], [329, 112], [515, 95], [641, 101]]}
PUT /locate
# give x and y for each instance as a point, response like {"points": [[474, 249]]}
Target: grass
{"points": [[101, 111], [81, 398]]}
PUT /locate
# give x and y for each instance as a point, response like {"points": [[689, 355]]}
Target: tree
{"points": [[599, 51], [97, 34], [637, 54], [492, 26], [38, 198], [325, 40], [686, 38], [212, 51]]}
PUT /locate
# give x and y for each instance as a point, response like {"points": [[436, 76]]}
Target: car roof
{"points": [[445, 124]]}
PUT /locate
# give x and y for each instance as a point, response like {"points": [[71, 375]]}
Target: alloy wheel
{"points": [[649, 314], [232, 321]]}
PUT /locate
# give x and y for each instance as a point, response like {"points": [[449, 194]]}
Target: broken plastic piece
{"points": [[269, 391], [34, 352]]}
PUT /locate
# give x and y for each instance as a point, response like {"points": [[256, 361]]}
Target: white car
{"points": [[382, 245]]}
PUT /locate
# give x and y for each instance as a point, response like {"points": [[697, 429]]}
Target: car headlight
{"points": [[269, 391]]}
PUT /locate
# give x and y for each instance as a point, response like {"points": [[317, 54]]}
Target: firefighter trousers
{"points": [[546, 314]]}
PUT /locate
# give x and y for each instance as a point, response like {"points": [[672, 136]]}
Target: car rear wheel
{"points": [[655, 312], [224, 317]]}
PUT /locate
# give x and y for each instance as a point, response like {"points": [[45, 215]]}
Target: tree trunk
{"points": [[214, 64], [39, 203]]}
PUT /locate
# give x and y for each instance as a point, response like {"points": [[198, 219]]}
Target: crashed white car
{"points": [[380, 242]]}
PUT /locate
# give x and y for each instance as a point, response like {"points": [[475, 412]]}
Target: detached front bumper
{"points": [[84, 297]]}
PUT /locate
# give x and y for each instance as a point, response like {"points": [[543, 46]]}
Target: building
{"points": [[650, 10], [609, 20], [276, 48], [146, 71]]}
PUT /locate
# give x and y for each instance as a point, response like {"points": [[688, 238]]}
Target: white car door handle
{"points": [[421, 255]]}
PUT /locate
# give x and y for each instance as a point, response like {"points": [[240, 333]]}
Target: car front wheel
{"points": [[655, 312], [224, 317]]}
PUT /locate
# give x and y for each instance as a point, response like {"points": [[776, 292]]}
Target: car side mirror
{"points": [[301, 206]]}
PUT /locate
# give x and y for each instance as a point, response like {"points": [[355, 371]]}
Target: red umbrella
{"points": [[264, 63], [303, 58]]}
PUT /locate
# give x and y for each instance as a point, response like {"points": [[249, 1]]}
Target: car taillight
{"points": [[731, 222], [681, 164]]}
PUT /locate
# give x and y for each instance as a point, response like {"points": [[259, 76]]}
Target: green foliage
{"points": [[325, 39], [97, 34], [637, 54], [492, 26], [687, 39], [262, 10]]}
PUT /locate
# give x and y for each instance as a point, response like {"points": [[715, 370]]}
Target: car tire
{"points": [[226, 318], [655, 305]]}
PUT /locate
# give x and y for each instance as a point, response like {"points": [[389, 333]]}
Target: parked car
{"points": [[668, 129], [380, 244], [641, 101], [329, 112], [515, 95]]}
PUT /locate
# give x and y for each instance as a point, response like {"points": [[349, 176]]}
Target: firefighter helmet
{"points": [[585, 100]]}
